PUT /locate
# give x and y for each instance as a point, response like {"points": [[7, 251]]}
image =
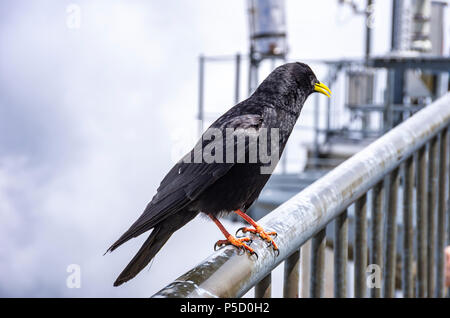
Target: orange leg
{"points": [[230, 239], [257, 229]]}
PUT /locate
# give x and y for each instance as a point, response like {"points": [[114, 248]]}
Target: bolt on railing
{"points": [[403, 174]]}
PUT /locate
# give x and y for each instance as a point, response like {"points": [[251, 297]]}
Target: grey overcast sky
{"points": [[91, 119]]}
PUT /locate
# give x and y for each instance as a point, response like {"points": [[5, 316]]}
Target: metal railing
{"points": [[404, 174]]}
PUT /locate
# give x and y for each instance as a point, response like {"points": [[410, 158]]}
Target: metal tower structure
{"points": [[267, 26]]}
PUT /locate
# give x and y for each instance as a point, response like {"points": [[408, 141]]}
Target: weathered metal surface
{"points": [[408, 237], [421, 224], [431, 210], [317, 265], [448, 202], [291, 275], [441, 221], [264, 288], [228, 273], [376, 256], [340, 255], [360, 246], [391, 236]]}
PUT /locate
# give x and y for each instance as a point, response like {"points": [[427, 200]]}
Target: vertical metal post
{"points": [[253, 75], [332, 74], [391, 235], [305, 269], [448, 200], [264, 288], [431, 208], [399, 83], [272, 64], [237, 79], [360, 246], [443, 171], [366, 115], [317, 264], [369, 7], [340, 255], [284, 161], [408, 255], [388, 114], [316, 125], [396, 84], [421, 204], [201, 75], [291, 275], [396, 28], [327, 133], [377, 232]]}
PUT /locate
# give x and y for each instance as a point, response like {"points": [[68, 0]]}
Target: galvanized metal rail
{"points": [[412, 160]]}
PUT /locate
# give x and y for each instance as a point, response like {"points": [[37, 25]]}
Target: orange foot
{"points": [[258, 230], [238, 242]]}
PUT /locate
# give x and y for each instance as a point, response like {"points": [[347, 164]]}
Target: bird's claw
{"points": [[243, 229], [266, 236], [240, 243], [254, 253], [242, 251], [218, 245]]}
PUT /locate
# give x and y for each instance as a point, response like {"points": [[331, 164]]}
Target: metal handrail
{"points": [[228, 273]]}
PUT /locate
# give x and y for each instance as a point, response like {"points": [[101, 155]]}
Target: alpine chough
{"points": [[217, 187]]}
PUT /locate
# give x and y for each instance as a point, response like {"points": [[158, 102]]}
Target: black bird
{"points": [[221, 187]]}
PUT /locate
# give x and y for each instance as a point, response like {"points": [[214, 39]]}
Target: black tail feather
{"points": [[159, 236], [148, 250]]}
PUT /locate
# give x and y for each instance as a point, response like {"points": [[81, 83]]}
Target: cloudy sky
{"points": [[92, 117]]}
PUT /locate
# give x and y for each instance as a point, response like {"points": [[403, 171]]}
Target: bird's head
{"points": [[290, 84], [306, 79]]}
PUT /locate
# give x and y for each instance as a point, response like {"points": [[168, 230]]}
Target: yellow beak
{"points": [[323, 89]]}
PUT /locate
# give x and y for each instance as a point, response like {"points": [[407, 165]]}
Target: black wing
{"points": [[186, 181]]}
